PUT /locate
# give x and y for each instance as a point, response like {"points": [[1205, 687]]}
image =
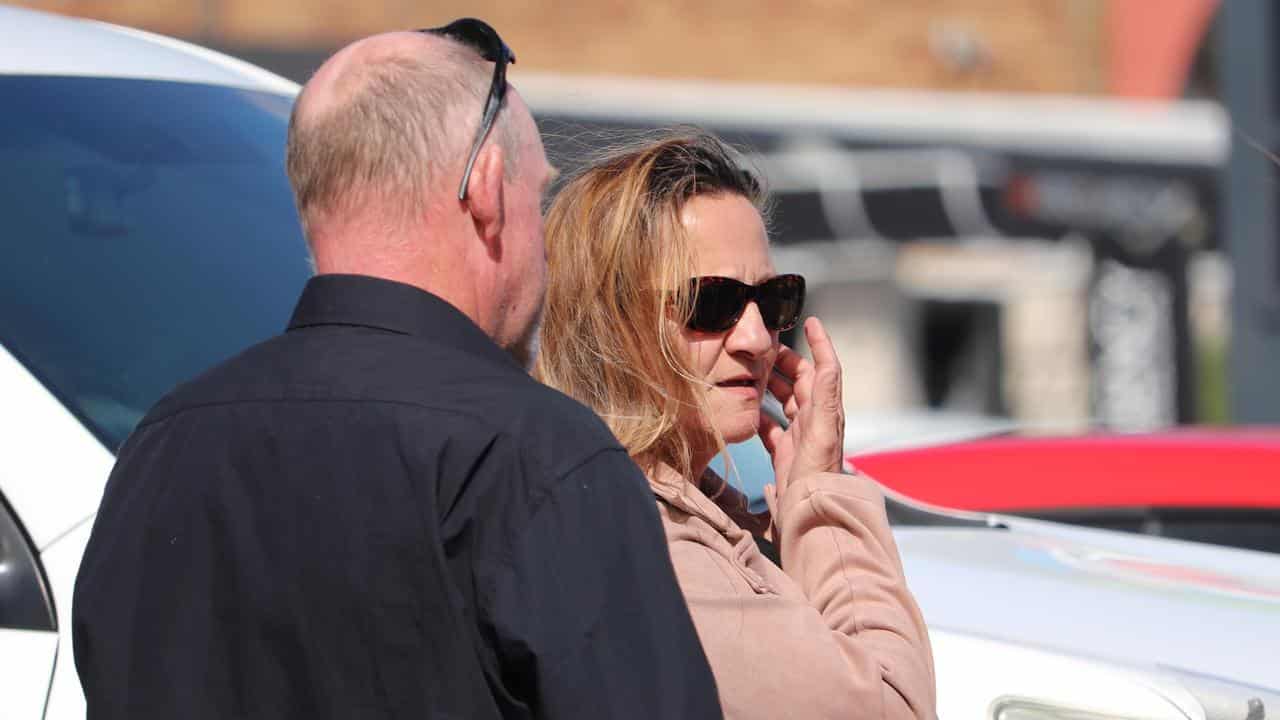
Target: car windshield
{"points": [[148, 232]]}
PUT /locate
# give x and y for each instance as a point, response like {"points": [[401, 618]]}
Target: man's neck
{"points": [[441, 265]]}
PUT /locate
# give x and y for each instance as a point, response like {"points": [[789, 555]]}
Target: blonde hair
{"points": [[619, 265]]}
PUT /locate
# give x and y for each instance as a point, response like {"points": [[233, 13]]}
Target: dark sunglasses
{"points": [[720, 301], [478, 35]]}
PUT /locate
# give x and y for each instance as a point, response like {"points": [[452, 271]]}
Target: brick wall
{"points": [[1007, 45]]}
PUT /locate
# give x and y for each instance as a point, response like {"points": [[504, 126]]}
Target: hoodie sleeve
{"points": [[835, 636], [837, 546]]}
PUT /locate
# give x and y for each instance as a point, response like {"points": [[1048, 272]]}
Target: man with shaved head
{"points": [[378, 513]]}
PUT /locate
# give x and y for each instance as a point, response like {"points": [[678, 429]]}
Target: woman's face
{"points": [[728, 238]]}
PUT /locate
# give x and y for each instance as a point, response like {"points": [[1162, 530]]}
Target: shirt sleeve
{"points": [[586, 612]]}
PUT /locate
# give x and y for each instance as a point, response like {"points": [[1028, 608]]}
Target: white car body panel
{"points": [[867, 432], [33, 43], [1096, 593], [52, 469], [26, 658], [61, 562], [976, 674]]}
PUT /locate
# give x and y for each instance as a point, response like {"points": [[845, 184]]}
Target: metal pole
{"points": [[1251, 187], [210, 14]]}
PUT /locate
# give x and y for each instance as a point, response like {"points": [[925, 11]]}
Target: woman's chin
{"points": [[740, 430]]}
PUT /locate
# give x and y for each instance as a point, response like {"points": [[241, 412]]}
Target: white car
{"points": [[149, 232]]}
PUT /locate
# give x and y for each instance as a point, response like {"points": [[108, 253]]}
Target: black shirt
{"points": [[379, 514]]}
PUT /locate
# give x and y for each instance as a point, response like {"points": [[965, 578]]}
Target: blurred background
{"points": [[1011, 212]]}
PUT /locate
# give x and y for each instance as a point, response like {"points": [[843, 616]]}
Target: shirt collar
{"points": [[365, 301]]}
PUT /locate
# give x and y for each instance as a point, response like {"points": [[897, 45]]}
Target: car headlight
{"points": [[1226, 700], [1218, 699], [1001, 680], [1018, 709]]}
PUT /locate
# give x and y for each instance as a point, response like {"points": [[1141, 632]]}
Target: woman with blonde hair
{"points": [[663, 314]]}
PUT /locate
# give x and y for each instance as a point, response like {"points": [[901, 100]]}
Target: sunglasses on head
{"points": [[720, 301], [479, 36]]}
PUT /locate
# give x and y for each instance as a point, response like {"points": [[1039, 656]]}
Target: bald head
{"points": [[377, 146], [384, 125]]}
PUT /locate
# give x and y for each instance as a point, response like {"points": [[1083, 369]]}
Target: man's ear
{"points": [[485, 200]]}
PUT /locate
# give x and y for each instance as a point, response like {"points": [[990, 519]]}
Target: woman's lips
{"points": [[748, 387]]}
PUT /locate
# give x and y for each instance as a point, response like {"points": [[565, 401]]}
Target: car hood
{"points": [[1200, 608]]}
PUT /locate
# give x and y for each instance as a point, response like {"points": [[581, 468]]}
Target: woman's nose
{"points": [[749, 335]]}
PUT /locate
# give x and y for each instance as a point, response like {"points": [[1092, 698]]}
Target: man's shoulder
{"points": [[551, 427], [547, 403], [339, 365], [409, 374], [224, 383]]}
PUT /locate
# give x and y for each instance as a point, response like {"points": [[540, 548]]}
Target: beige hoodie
{"points": [[837, 635]]}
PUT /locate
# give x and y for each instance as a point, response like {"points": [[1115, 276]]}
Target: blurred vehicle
{"points": [[1048, 620], [150, 233], [1209, 485]]}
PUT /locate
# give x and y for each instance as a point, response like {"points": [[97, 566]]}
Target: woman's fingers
{"points": [[818, 447], [778, 444], [791, 364], [771, 434], [827, 384], [771, 500], [800, 371], [780, 387], [787, 399], [813, 402], [820, 346]]}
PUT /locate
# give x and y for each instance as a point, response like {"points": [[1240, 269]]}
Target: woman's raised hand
{"points": [[812, 400]]}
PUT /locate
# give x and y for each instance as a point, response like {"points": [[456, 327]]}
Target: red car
{"points": [[1219, 486]]}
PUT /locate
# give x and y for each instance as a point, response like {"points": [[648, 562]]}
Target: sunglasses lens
{"points": [[719, 304], [781, 300]]}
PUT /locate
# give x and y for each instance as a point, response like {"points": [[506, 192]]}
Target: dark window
{"points": [[148, 232]]}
